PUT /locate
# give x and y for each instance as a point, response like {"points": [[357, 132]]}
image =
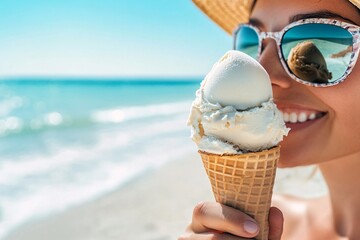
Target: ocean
{"points": [[64, 142]]}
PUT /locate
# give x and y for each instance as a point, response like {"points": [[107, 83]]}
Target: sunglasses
{"points": [[318, 52]]}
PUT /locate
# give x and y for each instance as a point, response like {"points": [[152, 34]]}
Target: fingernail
{"points": [[250, 226]]}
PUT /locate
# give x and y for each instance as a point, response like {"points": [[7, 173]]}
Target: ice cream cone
{"points": [[245, 182]]}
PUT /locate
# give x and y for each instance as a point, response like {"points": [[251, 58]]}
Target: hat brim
{"points": [[226, 14], [230, 13]]}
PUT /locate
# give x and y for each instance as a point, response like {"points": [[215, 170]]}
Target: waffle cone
{"points": [[245, 182]]}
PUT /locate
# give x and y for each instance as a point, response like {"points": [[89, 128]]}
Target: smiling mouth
{"points": [[301, 116]]}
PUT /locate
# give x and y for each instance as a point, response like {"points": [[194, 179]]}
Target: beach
{"points": [[157, 206], [66, 142]]}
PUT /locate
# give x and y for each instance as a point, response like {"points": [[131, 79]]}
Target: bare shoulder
{"points": [[298, 211], [294, 210]]}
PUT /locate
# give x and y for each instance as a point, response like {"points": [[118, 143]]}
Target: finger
{"points": [[211, 236], [215, 216], [218, 236], [276, 221]]}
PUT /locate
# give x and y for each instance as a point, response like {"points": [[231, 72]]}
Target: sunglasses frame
{"points": [[354, 30]]}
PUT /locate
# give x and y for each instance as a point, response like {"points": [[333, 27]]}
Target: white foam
{"points": [[11, 123], [118, 115], [10, 104], [38, 185], [53, 118]]}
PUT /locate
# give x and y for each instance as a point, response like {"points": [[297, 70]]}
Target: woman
{"points": [[323, 114]]}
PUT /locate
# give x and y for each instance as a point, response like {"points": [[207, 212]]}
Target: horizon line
{"points": [[97, 77]]}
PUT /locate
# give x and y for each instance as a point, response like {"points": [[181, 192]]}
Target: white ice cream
{"points": [[234, 111]]}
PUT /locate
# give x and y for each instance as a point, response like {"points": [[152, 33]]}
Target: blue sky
{"points": [[107, 38]]}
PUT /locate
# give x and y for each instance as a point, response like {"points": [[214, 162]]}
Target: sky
{"points": [[107, 38]]}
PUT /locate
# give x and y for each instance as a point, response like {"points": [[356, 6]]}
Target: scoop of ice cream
{"points": [[231, 114], [237, 80], [306, 62]]}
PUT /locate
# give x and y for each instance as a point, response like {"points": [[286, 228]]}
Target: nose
{"points": [[269, 59]]}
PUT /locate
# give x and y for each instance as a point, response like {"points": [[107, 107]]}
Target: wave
{"points": [[120, 139], [129, 113], [13, 125], [45, 183], [9, 104]]}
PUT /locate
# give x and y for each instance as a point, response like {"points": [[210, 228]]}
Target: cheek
{"points": [[335, 137], [343, 102]]}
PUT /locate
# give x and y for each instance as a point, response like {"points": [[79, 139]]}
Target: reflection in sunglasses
{"points": [[306, 62], [343, 53]]}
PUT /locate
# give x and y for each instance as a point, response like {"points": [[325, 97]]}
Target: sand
{"points": [[157, 206]]}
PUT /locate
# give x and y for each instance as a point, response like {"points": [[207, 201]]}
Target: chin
{"points": [[285, 163], [291, 155]]}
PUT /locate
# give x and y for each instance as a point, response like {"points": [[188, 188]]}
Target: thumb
{"points": [[276, 221]]}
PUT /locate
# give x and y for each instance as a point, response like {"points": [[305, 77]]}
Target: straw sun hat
{"points": [[229, 13]]}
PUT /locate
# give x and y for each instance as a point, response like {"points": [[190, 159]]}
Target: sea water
{"points": [[67, 141]]}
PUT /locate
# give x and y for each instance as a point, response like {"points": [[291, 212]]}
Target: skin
{"points": [[331, 141]]}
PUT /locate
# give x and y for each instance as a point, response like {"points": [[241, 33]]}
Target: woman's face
{"points": [[336, 131]]}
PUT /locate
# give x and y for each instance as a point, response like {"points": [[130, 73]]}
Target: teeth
{"points": [[298, 117], [302, 117], [293, 117], [312, 116], [286, 117]]}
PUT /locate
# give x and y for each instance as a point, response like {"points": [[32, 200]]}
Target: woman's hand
{"points": [[213, 220]]}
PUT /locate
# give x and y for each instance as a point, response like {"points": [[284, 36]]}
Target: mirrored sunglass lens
{"points": [[247, 41], [317, 53]]}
